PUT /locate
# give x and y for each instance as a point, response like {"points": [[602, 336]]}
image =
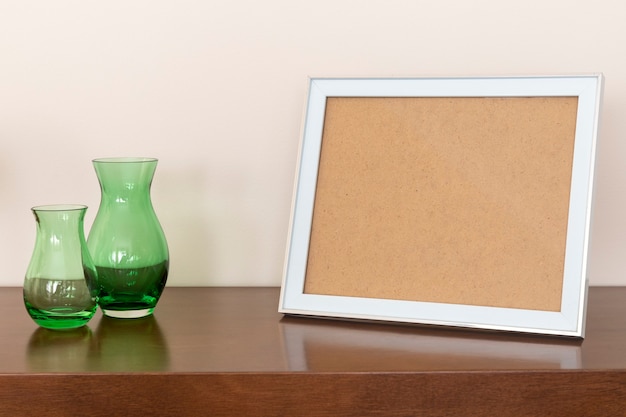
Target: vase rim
{"points": [[125, 159], [59, 207]]}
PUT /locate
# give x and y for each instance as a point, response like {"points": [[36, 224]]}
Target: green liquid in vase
{"points": [[59, 304], [131, 292]]}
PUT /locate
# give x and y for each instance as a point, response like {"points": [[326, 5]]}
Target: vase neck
{"points": [[125, 179], [59, 223]]}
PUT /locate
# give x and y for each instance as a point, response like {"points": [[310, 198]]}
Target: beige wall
{"points": [[215, 90]]}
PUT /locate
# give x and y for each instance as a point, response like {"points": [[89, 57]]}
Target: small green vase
{"points": [[57, 283], [126, 240]]}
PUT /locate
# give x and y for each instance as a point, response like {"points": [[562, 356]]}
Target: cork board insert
{"points": [[460, 200]]}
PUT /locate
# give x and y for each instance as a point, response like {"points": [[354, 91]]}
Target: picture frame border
{"points": [[569, 321]]}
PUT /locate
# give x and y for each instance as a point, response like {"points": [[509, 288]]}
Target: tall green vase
{"points": [[126, 240], [57, 283]]}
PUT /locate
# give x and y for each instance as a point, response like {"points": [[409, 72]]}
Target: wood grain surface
{"points": [[226, 351]]}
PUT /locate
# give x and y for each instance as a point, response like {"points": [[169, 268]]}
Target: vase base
{"points": [[128, 314]]}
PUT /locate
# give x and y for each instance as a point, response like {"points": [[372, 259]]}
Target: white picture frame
{"points": [[567, 319]]}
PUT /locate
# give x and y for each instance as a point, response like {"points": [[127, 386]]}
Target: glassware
{"points": [[57, 291], [126, 240]]}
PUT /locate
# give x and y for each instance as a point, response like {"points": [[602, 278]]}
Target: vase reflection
{"points": [[59, 351], [129, 345], [116, 345]]}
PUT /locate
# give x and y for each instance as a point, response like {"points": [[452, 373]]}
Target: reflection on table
{"points": [[325, 345], [116, 345]]}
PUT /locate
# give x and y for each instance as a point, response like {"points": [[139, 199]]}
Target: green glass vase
{"points": [[57, 284], [126, 240]]}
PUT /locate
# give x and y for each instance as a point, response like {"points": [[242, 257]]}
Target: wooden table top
{"points": [[237, 335], [240, 330]]}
